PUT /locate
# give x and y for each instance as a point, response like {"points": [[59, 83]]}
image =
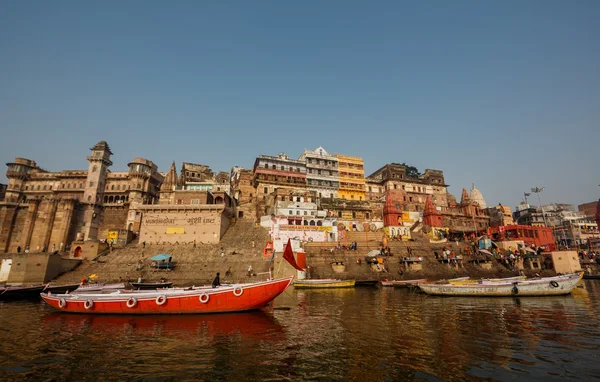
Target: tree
{"points": [[411, 171]]}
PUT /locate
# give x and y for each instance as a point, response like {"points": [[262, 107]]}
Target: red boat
{"points": [[222, 299]]}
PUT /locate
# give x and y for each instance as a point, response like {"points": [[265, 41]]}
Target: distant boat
{"points": [[402, 283], [95, 288], [323, 283], [20, 292], [359, 283], [485, 281], [546, 286], [61, 288], [152, 285], [222, 299]]}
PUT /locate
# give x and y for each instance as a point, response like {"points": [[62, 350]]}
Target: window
{"points": [[179, 201], [290, 212], [339, 214], [26, 188], [367, 215], [265, 190], [353, 214], [112, 187], [38, 187], [44, 187], [95, 168], [80, 185], [195, 201], [403, 188], [395, 187], [50, 187], [297, 212], [266, 165], [305, 212], [410, 198]]}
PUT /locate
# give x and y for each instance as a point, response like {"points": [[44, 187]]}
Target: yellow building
{"points": [[351, 172]]}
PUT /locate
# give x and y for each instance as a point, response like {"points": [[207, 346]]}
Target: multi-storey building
{"points": [[321, 172], [415, 187], [351, 172], [500, 216], [243, 192], [271, 173], [49, 210]]}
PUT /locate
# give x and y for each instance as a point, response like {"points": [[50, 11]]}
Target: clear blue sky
{"points": [[503, 94]]}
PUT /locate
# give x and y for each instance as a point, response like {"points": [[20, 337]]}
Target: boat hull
{"points": [[554, 286], [320, 284], [234, 298], [402, 283], [151, 285], [486, 281], [21, 293]]}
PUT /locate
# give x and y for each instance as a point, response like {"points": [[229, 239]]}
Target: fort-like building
{"points": [[45, 210]]}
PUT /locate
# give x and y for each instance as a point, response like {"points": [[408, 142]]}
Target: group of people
{"points": [[352, 247]]}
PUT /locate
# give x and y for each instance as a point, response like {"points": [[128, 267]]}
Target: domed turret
{"points": [[477, 197]]}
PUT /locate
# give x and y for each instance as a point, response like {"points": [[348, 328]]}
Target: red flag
{"points": [[288, 254]]}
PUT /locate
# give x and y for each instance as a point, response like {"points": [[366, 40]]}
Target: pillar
{"points": [[30, 221]]}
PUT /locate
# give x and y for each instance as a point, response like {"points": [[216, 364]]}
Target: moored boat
{"points": [[323, 283], [97, 288], [366, 283], [222, 299], [61, 288], [21, 292], [402, 283], [152, 285], [591, 277], [547, 286], [486, 281]]}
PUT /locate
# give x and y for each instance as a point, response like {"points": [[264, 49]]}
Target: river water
{"points": [[361, 334]]}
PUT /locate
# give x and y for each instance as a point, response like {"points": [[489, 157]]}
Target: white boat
{"points": [[99, 288], [486, 281], [546, 286]]}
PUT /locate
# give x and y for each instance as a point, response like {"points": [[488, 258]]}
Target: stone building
{"points": [[2, 191], [588, 209], [415, 187], [46, 210], [189, 210], [274, 174], [500, 216], [243, 192], [351, 173], [321, 172]]}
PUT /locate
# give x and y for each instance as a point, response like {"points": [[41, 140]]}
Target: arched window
{"points": [[312, 222], [110, 199], [89, 198], [68, 185], [319, 223], [80, 185], [38, 187], [139, 186], [112, 187], [95, 168], [306, 222], [44, 186], [106, 199], [118, 186], [26, 188]]}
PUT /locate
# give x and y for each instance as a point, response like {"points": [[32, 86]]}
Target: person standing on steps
{"points": [[217, 281]]}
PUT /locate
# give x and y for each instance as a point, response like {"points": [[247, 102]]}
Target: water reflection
{"points": [[347, 334]]}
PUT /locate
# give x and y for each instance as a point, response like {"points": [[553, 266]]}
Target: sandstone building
{"points": [[45, 210]]}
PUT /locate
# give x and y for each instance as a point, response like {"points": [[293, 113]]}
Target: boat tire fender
{"points": [[160, 300], [237, 291], [204, 298], [515, 290], [88, 304], [131, 302], [62, 302], [553, 284]]}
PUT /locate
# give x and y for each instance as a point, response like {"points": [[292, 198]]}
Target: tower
{"points": [[93, 194], [431, 216]]}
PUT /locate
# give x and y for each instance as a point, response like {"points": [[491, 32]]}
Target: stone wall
{"points": [[204, 226], [112, 218]]}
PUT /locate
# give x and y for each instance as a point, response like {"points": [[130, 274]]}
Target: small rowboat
{"points": [[486, 281], [97, 288], [151, 285], [20, 292], [402, 283], [546, 286], [323, 283], [222, 299], [62, 288]]}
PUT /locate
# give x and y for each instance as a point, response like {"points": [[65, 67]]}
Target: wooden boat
{"points": [[485, 281], [402, 283], [222, 299], [323, 283], [152, 285], [371, 283], [547, 286], [62, 288], [95, 288], [21, 292], [591, 277]]}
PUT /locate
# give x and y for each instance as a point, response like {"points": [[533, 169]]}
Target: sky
{"points": [[501, 94]]}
